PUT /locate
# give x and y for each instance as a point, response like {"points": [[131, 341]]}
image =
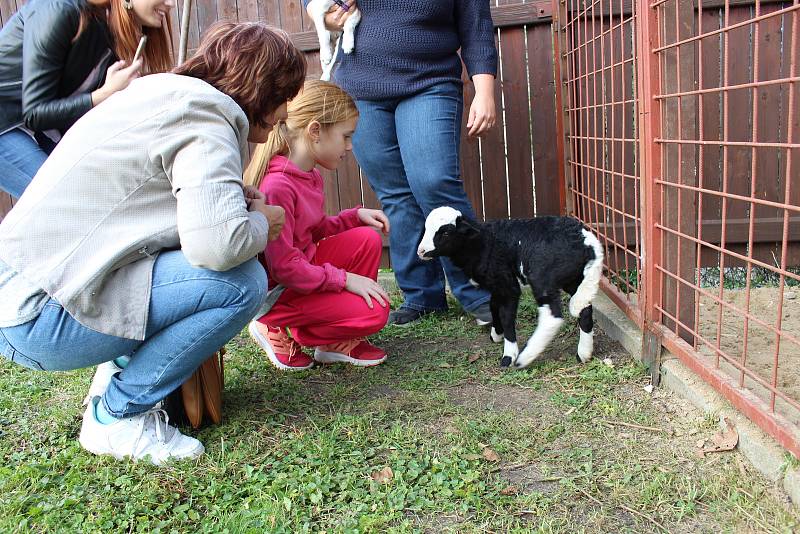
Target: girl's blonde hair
{"points": [[318, 101]]}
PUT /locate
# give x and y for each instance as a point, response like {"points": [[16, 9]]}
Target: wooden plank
{"points": [[206, 15], [269, 11], [739, 66], [495, 193], [771, 126], [331, 191], [292, 16], [543, 115], [518, 122], [711, 157], [349, 179], [470, 161], [247, 10]]}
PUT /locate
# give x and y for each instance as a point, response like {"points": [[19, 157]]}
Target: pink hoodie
{"points": [[301, 194]]}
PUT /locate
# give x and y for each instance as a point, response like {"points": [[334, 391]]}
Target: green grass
{"points": [[296, 452]]}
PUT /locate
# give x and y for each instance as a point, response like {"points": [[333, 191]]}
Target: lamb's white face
{"points": [[436, 219]]}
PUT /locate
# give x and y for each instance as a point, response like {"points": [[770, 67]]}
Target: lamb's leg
{"points": [[496, 332], [508, 319], [548, 324], [586, 343]]}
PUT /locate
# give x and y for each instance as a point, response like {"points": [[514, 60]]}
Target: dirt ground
{"points": [[761, 342]]}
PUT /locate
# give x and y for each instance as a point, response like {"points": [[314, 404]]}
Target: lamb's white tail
{"points": [[592, 272]]}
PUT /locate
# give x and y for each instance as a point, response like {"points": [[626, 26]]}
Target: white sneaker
{"points": [[146, 434], [102, 377]]}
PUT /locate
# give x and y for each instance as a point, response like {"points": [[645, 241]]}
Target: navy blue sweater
{"points": [[404, 47]]}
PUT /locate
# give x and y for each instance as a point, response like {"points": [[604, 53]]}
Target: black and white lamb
{"points": [[548, 253]]}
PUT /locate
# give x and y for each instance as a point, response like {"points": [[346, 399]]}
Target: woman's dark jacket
{"points": [[41, 67]]}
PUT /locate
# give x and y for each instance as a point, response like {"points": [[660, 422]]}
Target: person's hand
{"points": [[367, 288], [275, 215], [482, 114], [118, 77], [251, 192], [375, 218], [337, 15]]}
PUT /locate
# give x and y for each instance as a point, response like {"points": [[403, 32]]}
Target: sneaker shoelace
{"points": [[159, 419], [283, 344]]}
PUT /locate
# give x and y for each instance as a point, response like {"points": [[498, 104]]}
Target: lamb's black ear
{"points": [[465, 226]]}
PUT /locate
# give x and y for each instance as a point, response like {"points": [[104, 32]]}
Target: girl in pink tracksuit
{"points": [[322, 269]]}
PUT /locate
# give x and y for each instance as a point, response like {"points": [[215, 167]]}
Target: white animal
{"points": [[329, 41]]}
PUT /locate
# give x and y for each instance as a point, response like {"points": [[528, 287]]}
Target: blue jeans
{"points": [[193, 312], [409, 150], [20, 159]]}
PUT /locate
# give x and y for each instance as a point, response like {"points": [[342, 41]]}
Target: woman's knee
{"points": [[251, 280]]}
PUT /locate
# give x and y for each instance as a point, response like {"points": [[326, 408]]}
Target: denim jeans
{"points": [[409, 150], [20, 159], [193, 312]]}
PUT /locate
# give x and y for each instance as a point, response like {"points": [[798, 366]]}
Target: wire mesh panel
{"points": [[598, 69], [729, 148], [694, 182]]}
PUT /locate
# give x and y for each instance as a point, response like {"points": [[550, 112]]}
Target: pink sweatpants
{"points": [[327, 317]]}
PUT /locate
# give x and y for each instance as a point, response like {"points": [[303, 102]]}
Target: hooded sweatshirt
{"points": [[288, 258]]}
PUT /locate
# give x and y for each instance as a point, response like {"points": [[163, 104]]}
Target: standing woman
{"points": [[59, 59], [405, 75]]}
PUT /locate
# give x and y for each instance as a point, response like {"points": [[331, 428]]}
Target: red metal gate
{"points": [[682, 143]]}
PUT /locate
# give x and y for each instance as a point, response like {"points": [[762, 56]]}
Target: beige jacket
{"points": [[156, 166]]}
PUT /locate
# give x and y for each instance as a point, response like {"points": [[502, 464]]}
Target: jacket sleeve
{"points": [[202, 156], [48, 35], [476, 33], [336, 224], [287, 265]]}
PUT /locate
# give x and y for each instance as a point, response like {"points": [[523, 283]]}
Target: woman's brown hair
{"points": [[253, 63], [125, 34]]}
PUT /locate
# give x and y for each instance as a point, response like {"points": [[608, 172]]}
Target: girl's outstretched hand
{"points": [[367, 288], [375, 218]]}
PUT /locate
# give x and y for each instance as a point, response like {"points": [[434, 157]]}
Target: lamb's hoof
{"points": [[583, 360], [506, 361]]}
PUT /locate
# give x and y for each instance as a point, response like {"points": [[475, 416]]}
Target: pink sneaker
{"points": [[283, 352], [356, 351]]}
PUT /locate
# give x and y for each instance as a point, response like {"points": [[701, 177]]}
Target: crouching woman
{"points": [[137, 240]]}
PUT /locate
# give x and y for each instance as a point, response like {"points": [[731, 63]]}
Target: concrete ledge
{"points": [[763, 452]]}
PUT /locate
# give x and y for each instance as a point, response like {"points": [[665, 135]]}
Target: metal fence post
{"points": [[649, 119], [562, 123], [184, 40]]}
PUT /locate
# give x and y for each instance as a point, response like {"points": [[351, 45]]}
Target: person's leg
{"points": [[20, 159], [376, 148], [193, 312], [429, 133], [323, 318]]}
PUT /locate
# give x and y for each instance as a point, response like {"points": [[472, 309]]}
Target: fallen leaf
{"points": [[724, 440], [475, 357], [649, 388], [608, 361], [445, 365], [472, 457], [510, 490], [383, 476], [490, 455]]}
